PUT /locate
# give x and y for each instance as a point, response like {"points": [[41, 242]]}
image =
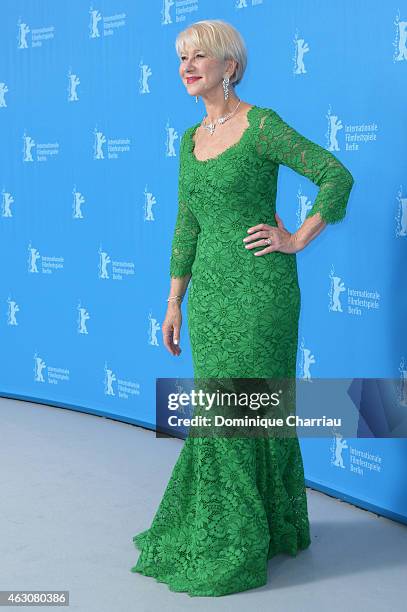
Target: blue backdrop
{"points": [[92, 110]]}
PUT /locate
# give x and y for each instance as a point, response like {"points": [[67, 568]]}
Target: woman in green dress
{"points": [[233, 503]]}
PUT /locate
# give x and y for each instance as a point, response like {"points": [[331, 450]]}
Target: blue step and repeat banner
{"points": [[92, 110]]}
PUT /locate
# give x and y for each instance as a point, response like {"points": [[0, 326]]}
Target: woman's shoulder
{"points": [[266, 116], [267, 110], [188, 131], [270, 119]]}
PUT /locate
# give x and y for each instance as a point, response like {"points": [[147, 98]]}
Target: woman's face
{"points": [[195, 63]]}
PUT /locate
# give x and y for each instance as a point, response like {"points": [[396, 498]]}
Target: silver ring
{"points": [[267, 241]]}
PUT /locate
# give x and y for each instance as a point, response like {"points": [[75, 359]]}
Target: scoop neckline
{"points": [[228, 149]]}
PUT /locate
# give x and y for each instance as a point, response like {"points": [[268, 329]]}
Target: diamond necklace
{"points": [[211, 126]]}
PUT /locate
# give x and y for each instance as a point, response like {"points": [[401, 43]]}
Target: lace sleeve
{"points": [[186, 229], [282, 144]]}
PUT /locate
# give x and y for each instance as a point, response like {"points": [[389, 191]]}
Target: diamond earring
{"points": [[225, 84], [196, 98]]}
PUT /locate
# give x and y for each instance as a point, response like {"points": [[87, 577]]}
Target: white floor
{"points": [[75, 488]]}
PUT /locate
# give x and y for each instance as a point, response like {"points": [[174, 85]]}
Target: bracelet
{"points": [[175, 298]]}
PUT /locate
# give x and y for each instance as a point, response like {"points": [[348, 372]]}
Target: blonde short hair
{"points": [[218, 39]]}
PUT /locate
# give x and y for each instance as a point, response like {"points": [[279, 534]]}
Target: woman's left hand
{"points": [[281, 239]]}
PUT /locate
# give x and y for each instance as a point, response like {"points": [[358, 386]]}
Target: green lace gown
{"points": [[233, 503]]}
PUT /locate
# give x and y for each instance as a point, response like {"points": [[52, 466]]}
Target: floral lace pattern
{"points": [[231, 504]]}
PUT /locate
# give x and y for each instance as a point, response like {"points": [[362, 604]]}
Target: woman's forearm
{"points": [[309, 230], [179, 285]]}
